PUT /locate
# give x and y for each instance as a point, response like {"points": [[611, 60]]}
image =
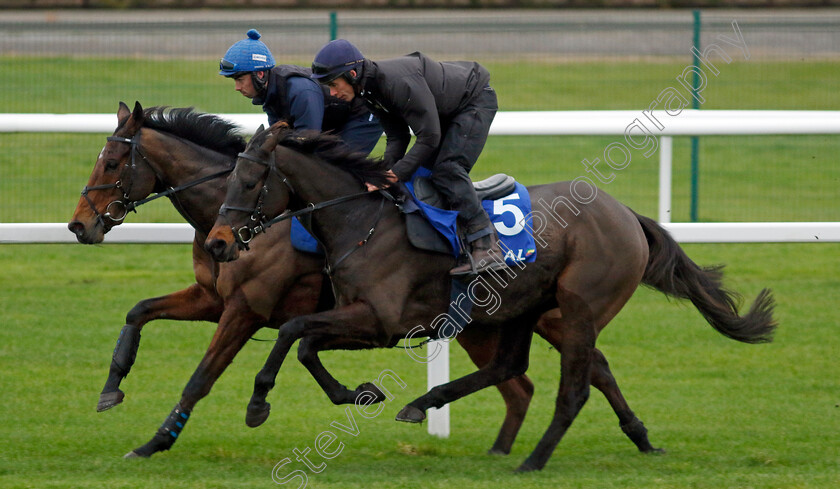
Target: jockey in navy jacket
{"points": [[286, 92]]}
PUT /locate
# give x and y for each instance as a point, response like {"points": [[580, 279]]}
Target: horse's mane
{"points": [[330, 148], [207, 130]]}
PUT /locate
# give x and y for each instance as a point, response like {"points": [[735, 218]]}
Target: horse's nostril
{"points": [[76, 228], [215, 246]]}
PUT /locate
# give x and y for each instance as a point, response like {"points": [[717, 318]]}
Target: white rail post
{"points": [[665, 161], [437, 372]]}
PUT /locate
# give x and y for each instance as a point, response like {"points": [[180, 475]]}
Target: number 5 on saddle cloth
{"points": [[504, 199]]}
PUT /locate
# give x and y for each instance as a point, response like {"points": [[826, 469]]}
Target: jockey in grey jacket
{"points": [[448, 105]]}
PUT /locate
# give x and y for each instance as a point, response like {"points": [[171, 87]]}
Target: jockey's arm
{"points": [[419, 111]]}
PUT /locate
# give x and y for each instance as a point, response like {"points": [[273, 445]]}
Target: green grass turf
{"points": [[728, 414]]}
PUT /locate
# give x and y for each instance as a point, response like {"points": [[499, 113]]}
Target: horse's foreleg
{"points": [[337, 392], [516, 392], [355, 320], [195, 303], [236, 326], [510, 360]]}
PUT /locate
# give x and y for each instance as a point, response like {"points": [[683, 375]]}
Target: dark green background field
{"points": [[729, 415], [759, 178]]}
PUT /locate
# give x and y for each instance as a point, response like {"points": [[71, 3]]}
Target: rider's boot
{"points": [[485, 255]]}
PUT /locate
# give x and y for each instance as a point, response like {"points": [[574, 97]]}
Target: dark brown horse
{"points": [[593, 254], [186, 155]]}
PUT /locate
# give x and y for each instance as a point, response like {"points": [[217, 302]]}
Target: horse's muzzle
{"points": [[221, 250], [87, 235]]}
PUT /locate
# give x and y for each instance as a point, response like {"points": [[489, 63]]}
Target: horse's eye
{"points": [[250, 185], [111, 164]]}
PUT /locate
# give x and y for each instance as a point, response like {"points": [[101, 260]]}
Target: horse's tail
{"points": [[671, 271]]}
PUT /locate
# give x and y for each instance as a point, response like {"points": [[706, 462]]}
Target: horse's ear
{"points": [[122, 112], [138, 112], [258, 132]]}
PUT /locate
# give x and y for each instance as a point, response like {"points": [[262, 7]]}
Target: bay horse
{"points": [[186, 156], [593, 254]]}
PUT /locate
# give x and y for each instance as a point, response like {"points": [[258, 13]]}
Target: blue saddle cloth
{"points": [[510, 215]]}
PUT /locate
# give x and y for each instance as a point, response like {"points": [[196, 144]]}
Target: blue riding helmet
{"points": [[246, 56], [335, 59]]}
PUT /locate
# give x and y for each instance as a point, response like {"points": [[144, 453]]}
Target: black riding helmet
{"points": [[337, 59]]}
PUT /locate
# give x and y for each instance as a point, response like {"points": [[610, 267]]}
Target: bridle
{"points": [[117, 210], [260, 223]]}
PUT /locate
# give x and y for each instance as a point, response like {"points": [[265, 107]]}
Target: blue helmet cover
{"points": [[247, 55]]}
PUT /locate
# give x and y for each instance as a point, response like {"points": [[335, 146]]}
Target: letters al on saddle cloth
{"points": [[511, 216]]}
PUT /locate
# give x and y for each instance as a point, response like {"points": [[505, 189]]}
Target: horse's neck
{"points": [[177, 162], [315, 182]]}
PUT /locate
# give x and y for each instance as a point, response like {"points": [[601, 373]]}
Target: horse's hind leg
{"points": [[516, 392], [509, 360], [602, 379], [578, 333], [195, 303], [236, 326]]}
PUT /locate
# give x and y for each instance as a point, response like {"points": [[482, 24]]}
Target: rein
{"points": [[245, 234], [309, 209], [172, 190], [329, 268]]}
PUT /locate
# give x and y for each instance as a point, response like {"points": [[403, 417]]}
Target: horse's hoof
{"points": [[654, 451], [526, 467], [256, 415], [133, 454], [411, 414], [379, 396], [107, 400], [497, 452]]}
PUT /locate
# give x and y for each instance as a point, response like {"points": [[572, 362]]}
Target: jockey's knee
{"points": [[451, 168]]}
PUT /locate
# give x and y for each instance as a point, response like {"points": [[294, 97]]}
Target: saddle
{"points": [[492, 188], [421, 232]]}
